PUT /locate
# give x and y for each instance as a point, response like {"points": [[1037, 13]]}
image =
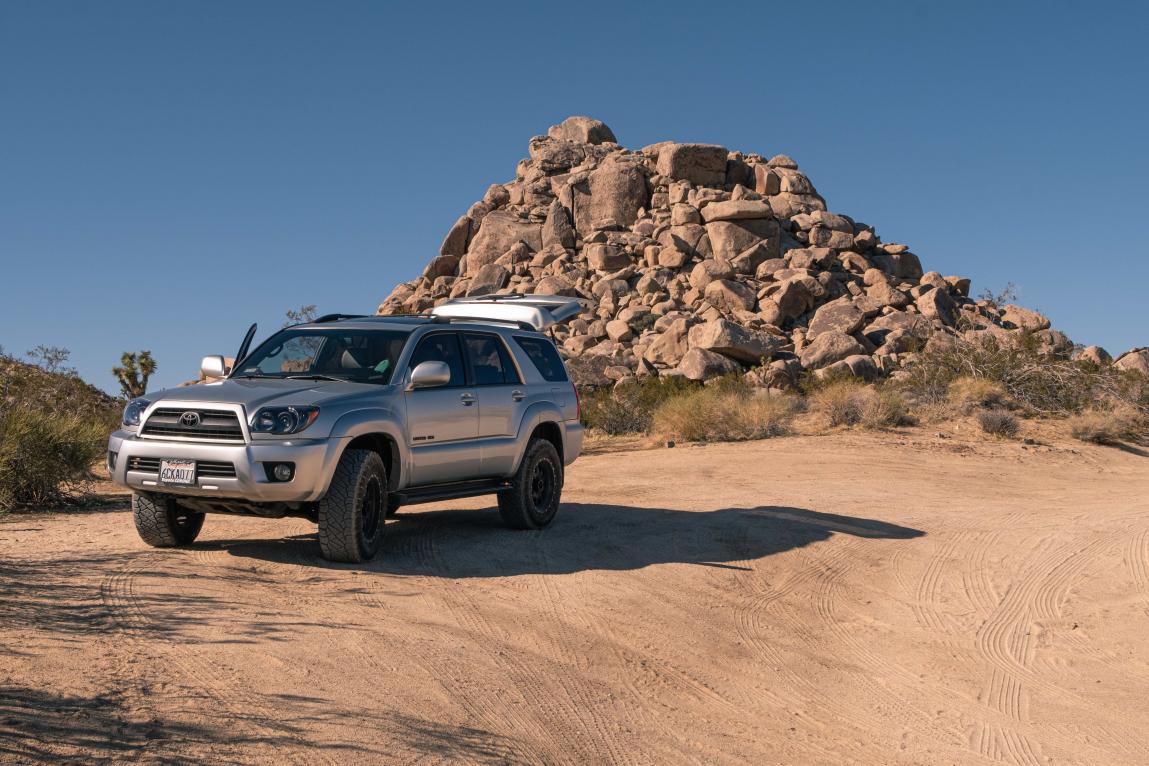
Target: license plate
{"points": [[177, 472]]}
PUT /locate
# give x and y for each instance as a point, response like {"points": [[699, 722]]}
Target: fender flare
{"points": [[539, 412], [361, 422]]}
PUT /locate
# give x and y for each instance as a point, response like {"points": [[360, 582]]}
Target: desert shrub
{"points": [[850, 402], [45, 455], [885, 408], [1040, 383], [842, 402], [53, 428], [1103, 427], [998, 422], [723, 413], [968, 394], [628, 408]]}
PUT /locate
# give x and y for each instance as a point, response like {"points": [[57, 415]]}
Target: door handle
{"points": [[467, 399], [518, 396]]}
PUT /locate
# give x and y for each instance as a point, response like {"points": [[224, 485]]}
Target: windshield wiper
{"points": [[316, 377], [254, 375]]}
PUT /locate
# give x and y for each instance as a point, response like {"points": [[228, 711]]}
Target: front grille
{"points": [[204, 469], [215, 425]]}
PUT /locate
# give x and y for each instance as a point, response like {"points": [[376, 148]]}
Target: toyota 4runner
{"points": [[344, 419]]}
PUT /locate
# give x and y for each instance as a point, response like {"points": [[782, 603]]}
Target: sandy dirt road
{"points": [[846, 599]]}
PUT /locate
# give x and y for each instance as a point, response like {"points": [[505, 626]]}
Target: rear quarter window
{"points": [[545, 358]]}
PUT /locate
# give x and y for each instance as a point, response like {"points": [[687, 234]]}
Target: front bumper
{"points": [[314, 460]]}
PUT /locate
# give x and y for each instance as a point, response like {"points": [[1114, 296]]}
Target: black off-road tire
{"points": [[533, 499], [163, 523], [353, 512]]}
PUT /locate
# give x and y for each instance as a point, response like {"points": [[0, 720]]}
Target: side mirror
{"points": [[430, 375], [213, 367]]}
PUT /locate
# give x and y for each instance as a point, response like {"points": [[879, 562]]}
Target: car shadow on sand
{"points": [[585, 536]]}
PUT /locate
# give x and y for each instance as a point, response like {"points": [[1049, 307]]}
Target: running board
{"points": [[454, 491]]}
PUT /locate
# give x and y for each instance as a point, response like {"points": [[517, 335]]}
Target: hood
{"points": [[253, 394]]}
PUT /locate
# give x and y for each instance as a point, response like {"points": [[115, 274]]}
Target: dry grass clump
{"points": [[718, 413], [1104, 427], [998, 422], [628, 408], [851, 403], [968, 394]]}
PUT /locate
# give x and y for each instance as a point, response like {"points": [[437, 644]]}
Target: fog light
{"points": [[283, 472], [112, 461]]}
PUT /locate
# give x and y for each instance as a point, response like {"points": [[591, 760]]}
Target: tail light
{"points": [[578, 403]]}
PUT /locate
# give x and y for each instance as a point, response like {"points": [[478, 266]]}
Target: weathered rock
{"points": [[557, 229], [728, 295], [618, 330], [708, 270], [730, 238], [1136, 360], [455, 243], [554, 285], [498, 232], [584, 130], [441, 266], [669, 346], [937, 304], [729, 339], [489, 279], [796, 295], [841, 316], [703, 164], [606, 257], [1095, 355], [735, 210], [829, 347], [1026, 319], [700, 364], [615, 190]]}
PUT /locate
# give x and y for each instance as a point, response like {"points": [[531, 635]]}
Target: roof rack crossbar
{"points": [[337, 317], [440, 319]]}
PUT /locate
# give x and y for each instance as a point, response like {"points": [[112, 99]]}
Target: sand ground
{"points": [[854, 598]]}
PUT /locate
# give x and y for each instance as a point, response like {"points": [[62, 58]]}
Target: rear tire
{"points": [[352, 513], [533, 499], [162, 523]]}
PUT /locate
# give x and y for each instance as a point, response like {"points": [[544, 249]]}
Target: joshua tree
{"points": [[134, 373]]}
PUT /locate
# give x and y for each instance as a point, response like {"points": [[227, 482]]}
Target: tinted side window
{"points": [[442, 347], [490, 363], [542, 352]]}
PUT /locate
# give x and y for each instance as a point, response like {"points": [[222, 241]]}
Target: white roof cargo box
{"points": [[539, 311]]}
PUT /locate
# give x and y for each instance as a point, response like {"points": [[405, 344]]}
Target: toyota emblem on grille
{"points": [[190, 419]]}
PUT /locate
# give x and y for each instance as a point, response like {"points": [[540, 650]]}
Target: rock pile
{"points": [[699, 261]]}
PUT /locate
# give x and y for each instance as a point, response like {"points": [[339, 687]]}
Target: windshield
{"points": [[362, 356]]}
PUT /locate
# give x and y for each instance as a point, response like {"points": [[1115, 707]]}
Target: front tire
{"points": [[533, 499], [162, 523], [352, 513]]}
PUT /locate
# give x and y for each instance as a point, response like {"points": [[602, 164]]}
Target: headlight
{"points": [[283, 420], [134, 410]]}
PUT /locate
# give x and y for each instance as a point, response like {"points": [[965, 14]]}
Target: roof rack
{"points": [[337, 317], [441, 319], [537, 311]]}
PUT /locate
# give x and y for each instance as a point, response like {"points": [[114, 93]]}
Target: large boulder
{"points": [[729, 296], [728, 239], [499, 231], [735, 341], [557, 229], [1023, 318], [701, 164], [700, 364], [615, 190], [584, 130], [455, 243], [489, 279], [1136, 360], [840, 316], [736, 209], [937, 304], [829, 347]]}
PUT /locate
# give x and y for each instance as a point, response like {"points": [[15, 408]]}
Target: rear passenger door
{"points": [[442, 422], [502, 399]]}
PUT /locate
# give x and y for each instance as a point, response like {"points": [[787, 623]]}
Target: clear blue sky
{"points": [[172, 171]]}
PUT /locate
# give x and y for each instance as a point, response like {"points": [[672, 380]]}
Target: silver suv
{"points": [[345, 419]]}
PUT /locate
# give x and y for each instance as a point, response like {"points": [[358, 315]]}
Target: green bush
{"points": [[629, 408], [53, 430], [1039, 383]]}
